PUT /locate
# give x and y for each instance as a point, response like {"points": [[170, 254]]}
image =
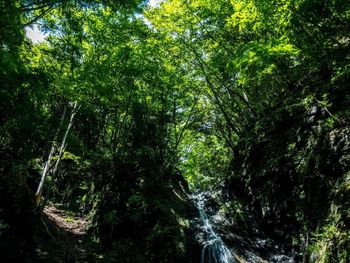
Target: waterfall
{"points": [[214, 249]]}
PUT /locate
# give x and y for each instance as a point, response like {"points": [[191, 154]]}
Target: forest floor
{"points": [[66, 236], [65, 221]]}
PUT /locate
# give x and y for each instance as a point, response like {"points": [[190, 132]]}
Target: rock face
{"points": [[225, 241], [291, 177]]}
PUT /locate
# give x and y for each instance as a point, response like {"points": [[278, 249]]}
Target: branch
{"points": [[35, 19]]}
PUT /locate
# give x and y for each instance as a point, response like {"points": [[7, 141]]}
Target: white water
{"points": [[214, 249]]}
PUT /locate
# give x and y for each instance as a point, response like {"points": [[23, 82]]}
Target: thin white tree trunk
{"points": [[39, 191], [46, 169], [60, 154], [64, 144]]}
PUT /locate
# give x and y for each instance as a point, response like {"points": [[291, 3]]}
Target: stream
{"points": [[214, 249]]}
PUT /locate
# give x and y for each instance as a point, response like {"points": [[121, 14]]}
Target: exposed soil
{"points": [[65, 239], [70, 223]]}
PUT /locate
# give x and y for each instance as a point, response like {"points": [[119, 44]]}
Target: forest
{"points": [[190, 131]]}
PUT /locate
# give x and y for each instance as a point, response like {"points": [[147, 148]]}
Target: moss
{"points": [[296, 181]]}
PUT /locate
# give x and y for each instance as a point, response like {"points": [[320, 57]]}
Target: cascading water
{"points": [[260, 249], [214, 249]]}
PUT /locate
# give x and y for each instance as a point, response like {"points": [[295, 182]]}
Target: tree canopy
{"points": [[125, 107]]}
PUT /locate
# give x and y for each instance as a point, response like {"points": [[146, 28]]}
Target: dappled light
{"points": [[190, 131]]}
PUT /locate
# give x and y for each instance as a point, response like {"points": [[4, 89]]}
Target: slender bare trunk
{"points": [[39, 191], [59, 157]]}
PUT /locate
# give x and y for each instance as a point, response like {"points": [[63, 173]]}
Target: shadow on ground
{"points": [[64, 238]]}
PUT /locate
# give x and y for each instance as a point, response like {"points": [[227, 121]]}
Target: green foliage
{"points": [[251, 94], [331, 241], [204, 159]]}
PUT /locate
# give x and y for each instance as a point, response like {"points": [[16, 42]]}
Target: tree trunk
{"points": [[46, 170]]}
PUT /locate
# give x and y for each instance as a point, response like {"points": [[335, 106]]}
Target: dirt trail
{"points": [[74, 224], [65, 237]]}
